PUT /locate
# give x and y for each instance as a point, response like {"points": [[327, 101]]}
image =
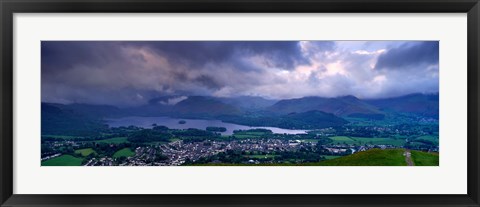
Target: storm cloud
{"points": [[134, 72], [409, 55]]}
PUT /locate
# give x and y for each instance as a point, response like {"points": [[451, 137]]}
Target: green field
{"points": [[425, 158], [362, 141], [342, 140], [125, 152], [61, 136], [261, 156], [64, 160], [430, 138], [85, 152], [246, 136], [249, 134], [116, 140], [329, 157], [416, 144], [386, 141]]}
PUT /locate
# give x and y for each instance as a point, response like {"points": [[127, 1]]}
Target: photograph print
{"points": [[240, 103]]}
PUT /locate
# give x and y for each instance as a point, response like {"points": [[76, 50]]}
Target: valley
{"points": [[242, 131]]}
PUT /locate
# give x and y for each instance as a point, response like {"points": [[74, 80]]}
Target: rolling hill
{"points": [[387, 157], [201, 106], [306, 120], [372, 157], [419, 104], [341, 106], [90, 110], [65, 121], [301, 113], [248, 102]]}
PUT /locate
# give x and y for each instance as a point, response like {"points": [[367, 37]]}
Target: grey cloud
{"points": [[208, 82], [285, 54], [409, 54], [132, 73]]}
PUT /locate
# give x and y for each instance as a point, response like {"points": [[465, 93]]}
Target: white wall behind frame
{"points": [[449, 178]]}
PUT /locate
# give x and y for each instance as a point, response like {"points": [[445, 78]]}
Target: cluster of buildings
{"points": [[178, 152], [104, 161], [51, 156]]}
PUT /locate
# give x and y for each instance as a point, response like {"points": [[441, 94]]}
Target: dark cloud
{"points": [[284, 54], [208, 82], [409, 54], [63, 55], [105, 68], [134, 72]]}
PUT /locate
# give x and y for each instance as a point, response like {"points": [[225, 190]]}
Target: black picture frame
{"points": [[10, 7]]}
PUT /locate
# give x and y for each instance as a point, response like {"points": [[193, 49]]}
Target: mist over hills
{"points": [[350, 106], [341, 106], [205, 106], [300, 113], [420, 104]]}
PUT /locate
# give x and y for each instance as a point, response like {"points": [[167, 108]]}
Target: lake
{"points": [[146, 122]]}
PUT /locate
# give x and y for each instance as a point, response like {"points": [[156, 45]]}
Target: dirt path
{"points": [[408, 157]]}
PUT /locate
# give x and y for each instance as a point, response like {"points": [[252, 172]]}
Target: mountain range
{"points": [[306, 112]]}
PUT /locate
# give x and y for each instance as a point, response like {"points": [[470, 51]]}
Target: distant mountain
{"points": [[89, 110], [60, 119], [159, 106], [149, 110], [301, 113], [248, 102], [340, 106], [202, 106], [305, 120], [316, 119], [188, 107], [419, 104]]}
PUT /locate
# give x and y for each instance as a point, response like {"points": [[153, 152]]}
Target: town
{"points": [[246, 147]]}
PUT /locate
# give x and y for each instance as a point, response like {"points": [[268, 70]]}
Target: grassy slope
{"points": [[329, 157], [64, 160], [362, 141], [116, 140], [85, 152], [425, 158], [372, 157], [125, 152]]}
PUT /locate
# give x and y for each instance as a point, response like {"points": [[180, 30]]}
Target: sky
{"points": [[130, 73]]}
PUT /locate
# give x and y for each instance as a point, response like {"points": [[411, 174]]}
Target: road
{"points": [[408, 157]]}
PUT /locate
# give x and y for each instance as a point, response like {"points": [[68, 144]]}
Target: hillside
{"points": [[372, 157], [211, 107], [306, 120], [316, 119], [301, 113], [64, 121], [388, 157], [185, 107], [93, 111], [419, 104], [340, 106], [248, 102], [201, 106]]}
